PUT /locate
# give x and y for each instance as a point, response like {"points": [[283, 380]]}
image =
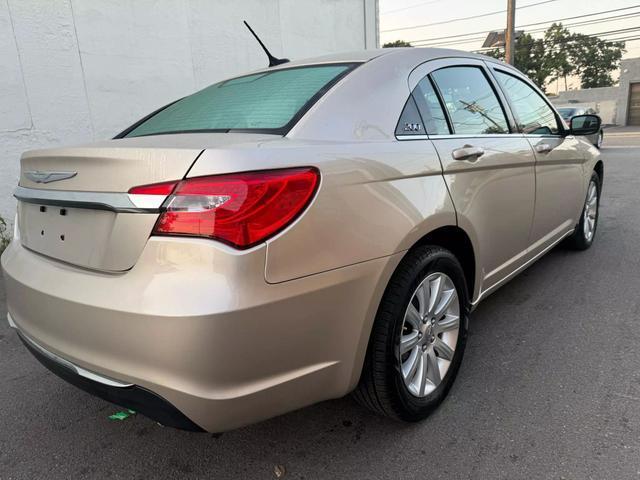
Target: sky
{"points": [[395, 14]]}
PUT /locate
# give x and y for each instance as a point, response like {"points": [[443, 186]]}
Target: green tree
{"points": [[562, 53], [529, 58], [397, 43], [595, 59], [559, 52]]}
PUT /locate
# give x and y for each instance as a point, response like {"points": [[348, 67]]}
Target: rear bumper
{"points": [[194, 328], [129, 396]]}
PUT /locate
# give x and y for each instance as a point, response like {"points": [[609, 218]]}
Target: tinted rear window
{"points": [[264, 101]]}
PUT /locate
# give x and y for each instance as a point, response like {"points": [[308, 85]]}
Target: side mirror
{"points": [[585, 124]]}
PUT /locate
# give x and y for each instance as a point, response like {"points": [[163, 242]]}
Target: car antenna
{"points": [[273, 61]]}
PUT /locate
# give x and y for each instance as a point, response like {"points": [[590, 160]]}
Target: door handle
{"points": [[468, 152], [543, 148]]}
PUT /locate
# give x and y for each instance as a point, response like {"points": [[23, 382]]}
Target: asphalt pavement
{"points": [[549, 389]]}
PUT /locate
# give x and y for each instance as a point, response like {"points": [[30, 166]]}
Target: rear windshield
{"points": [[268, 101]]}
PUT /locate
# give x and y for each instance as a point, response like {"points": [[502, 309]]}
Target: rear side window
{"points": [[472, 104], [264, 101], [533, 114]]}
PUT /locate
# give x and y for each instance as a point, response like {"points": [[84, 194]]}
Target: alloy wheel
{"points": [[429, 334], [590, 211]]}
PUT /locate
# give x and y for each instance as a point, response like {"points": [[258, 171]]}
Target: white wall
{"points": [[74, 71], [603, 99]]}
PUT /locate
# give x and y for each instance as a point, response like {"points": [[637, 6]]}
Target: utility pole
{"points": [[509, 37]]}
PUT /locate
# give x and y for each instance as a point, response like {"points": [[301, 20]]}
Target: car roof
{"points": [[418, 54], [349, 112]]}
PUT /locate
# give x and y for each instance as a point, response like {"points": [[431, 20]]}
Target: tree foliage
{"points": [[529, 58], [396, 43], [560, 54], [595, 60], [4, 235]]}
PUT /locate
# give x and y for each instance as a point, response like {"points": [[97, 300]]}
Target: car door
{"points": [[489, 171], [559, 160]]}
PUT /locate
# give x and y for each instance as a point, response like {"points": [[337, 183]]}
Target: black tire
{"points": [[381, 387], [578, 240]]}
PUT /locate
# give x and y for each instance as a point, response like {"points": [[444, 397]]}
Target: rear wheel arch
{"points": [[450, 237], [599, 169], [458, 242]]}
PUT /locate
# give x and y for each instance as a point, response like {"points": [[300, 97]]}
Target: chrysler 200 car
{"points": [[295, 234]]}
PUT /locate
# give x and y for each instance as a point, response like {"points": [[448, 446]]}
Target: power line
{"points": [[477, 39], [574, 24], [488, 14], [409, 7], [520, 26], [555, 44], [579, 16], [625, 40]]}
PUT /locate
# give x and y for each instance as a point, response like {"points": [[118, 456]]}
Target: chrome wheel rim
{"points": [[590, 214], [429, 334]]}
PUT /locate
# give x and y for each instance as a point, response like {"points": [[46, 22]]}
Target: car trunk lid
{"points": [[74, 206]]}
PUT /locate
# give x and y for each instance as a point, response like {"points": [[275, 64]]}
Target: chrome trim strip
{"points": [[66, 363], [114, 202], [527, 264], [412, 137], [479, 135], [458, 135]]}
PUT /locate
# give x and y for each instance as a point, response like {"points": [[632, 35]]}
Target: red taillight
{"points": [[164, 188], [240, 209]]}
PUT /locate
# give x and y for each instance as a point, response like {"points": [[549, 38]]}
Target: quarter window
{"points": [[534, 115], [430, 108], [410, 122], [472, 104]]}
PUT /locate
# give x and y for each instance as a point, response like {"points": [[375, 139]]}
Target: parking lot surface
{"points": [[549, 388]]}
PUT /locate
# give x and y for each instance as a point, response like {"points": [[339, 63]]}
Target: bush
{"points": [[5, 237]]}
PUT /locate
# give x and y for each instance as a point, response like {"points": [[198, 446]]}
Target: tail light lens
{"points": [[164, 188], [241, 209]]}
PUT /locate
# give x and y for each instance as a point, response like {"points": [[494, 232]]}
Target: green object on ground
{"points": [[122, 415]]}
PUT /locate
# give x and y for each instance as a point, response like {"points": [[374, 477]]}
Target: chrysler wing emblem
{"points": [[48, 177]]}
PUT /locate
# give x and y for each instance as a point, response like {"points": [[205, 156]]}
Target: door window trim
{"points": [[490, 82], [561, 130], [425, 69]]}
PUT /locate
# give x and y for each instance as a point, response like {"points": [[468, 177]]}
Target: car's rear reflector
{"points": [[240, 209]]}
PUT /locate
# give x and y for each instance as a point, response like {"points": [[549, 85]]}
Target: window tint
{"points": [[410, 122], [261, 101], [430, 108], [471, 102], [533, 114]]}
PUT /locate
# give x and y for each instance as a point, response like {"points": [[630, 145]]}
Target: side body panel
{"points": [[493, 194], [494, 199], [559, 188], [559, 171]]}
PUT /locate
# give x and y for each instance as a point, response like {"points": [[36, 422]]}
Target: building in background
{"points": [[74, 71], [619, 105]]}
